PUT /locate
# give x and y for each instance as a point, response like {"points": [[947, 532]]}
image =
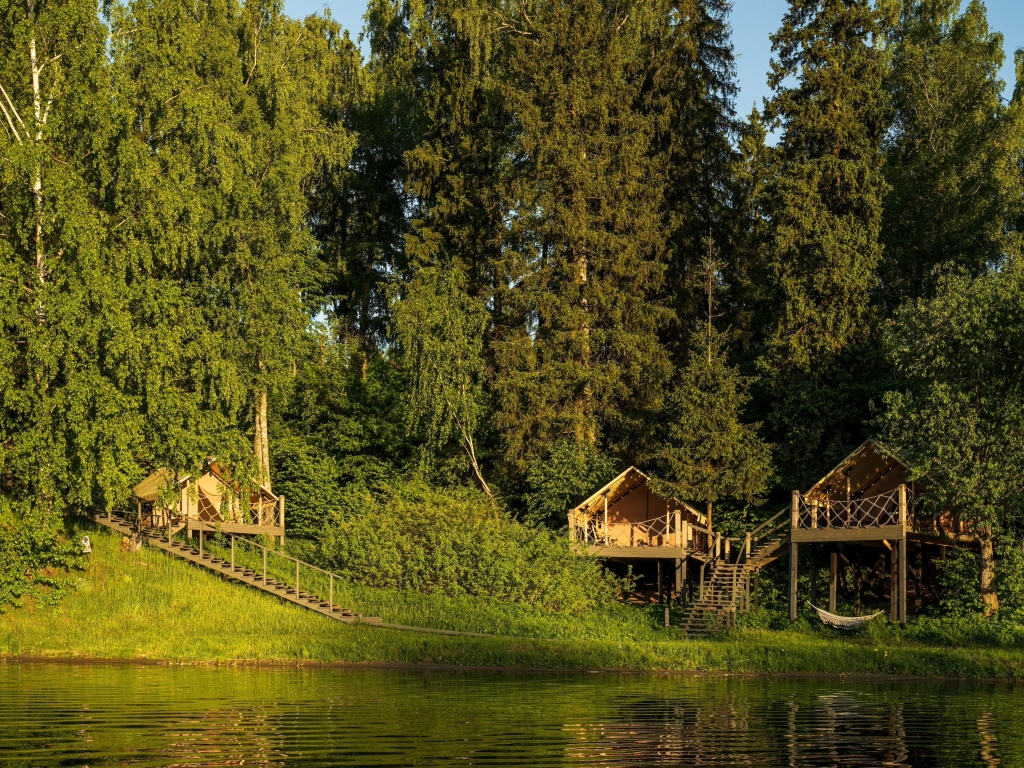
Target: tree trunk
{"points": [[261, 444], [989, 598]]}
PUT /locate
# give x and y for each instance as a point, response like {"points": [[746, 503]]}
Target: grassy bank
{"points": [[147, 605]]}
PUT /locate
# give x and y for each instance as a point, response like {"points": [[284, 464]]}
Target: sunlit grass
{"points": [[148, 605]]}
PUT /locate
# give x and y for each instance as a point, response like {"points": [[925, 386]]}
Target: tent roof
{"points": [[624, 483], [881, 460], [149, 489]]}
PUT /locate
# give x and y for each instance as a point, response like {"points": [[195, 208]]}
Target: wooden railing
{"points": [[884, 509], [669, 530]]}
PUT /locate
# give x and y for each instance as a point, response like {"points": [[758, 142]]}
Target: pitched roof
{"points": [[624, 483]]}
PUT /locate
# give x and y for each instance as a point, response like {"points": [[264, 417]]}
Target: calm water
{"points": [[156, 716]]}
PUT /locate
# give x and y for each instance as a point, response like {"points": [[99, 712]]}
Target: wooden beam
{"points": [[681, 580], [872, 533], [793, 574], [636, 553], [894, 603]]}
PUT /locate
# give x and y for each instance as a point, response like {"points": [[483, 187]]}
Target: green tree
{"points": [[236, 101], [439, 332], [67, 428], [691, 96], [561, 479], [577, 352], [711, 453], [824, 203], [951, 156], [958, 419]]}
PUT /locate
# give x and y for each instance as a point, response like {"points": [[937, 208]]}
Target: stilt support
{"points": [[793, 575]]}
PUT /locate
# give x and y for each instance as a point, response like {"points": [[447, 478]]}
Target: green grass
{"points": [[148, 605]]}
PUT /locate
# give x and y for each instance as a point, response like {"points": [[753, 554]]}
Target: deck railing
{"points": [[669, 530], [883, 509]]}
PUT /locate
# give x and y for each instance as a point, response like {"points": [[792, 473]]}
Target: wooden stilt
{"points": [[903, 581], [814, 574], [793, 575], [894, 589], [681, 581], [833, 580], [661, 598]]}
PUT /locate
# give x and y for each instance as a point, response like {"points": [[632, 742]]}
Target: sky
{"points": [[752, 22]]}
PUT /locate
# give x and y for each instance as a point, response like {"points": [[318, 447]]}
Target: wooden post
{"points": [[680, 539], [330, 599], [726, 549], [232, 554], [606, 527], [682, 578], [833, 580], [793, 574], [686, 533], [679, 578], [903, 580], [280, 504], [701, 593], [748, 545], [814, 574], [661, 599], [903, 506], [264, 565], [894, 589]]}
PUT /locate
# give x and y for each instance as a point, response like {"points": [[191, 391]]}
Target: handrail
{"points": [[754, 533]]}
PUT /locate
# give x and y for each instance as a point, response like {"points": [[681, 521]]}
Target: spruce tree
{"points": [[951, 157], [824, 203], [711, 453], [691, 97], [577, 352]]}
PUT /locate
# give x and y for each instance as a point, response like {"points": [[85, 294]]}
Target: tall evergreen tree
{"points": [[711, 453], [824, 202], [577, 353], [951, 155], [692, 92]]}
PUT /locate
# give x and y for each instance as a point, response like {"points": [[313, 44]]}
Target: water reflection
{"points": [[153, 716]]}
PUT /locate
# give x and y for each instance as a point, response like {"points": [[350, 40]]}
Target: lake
{"points": [[98, 715]]}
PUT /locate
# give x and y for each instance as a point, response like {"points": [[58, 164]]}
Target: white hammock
{"points": [[843, 622]]}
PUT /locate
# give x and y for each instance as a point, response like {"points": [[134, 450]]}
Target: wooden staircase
{"points": [[262, 581], [725, 592]]}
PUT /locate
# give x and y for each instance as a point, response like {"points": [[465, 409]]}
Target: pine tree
{"points": [[577, 352], [691, 96], [951, 156], [824, 202], [711, 454]]}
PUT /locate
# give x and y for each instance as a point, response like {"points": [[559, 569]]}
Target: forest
{"points": [[439, 293]]}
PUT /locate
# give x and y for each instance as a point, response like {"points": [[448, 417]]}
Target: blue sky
{"points": [[752, 22]]}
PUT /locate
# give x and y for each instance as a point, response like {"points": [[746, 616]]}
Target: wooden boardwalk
{"points": [[239, 573]]}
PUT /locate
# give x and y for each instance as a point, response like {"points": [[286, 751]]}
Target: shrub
{"points": [[958, 583], [455, 542], [32, 546]]}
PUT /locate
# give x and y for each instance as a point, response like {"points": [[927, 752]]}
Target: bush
{"points": [[33, 547], [958, 583], [455, 542]]}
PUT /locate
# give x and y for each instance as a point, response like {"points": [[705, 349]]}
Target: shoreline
{"points": [[91, 661]]}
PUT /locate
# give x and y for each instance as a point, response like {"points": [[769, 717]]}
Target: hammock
{"points": [[843, 622]]}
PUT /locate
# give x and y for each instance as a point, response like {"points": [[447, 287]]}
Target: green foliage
{"points": [[577, 351], [958, 583], [34, 553], [1010, 579], [952, 152], [824, 204], [711, 453], [439, 331], [958, 419], [560, 480], [453, 542]]}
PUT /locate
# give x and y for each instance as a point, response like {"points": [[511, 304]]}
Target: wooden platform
{"points": [[639, 553]]}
